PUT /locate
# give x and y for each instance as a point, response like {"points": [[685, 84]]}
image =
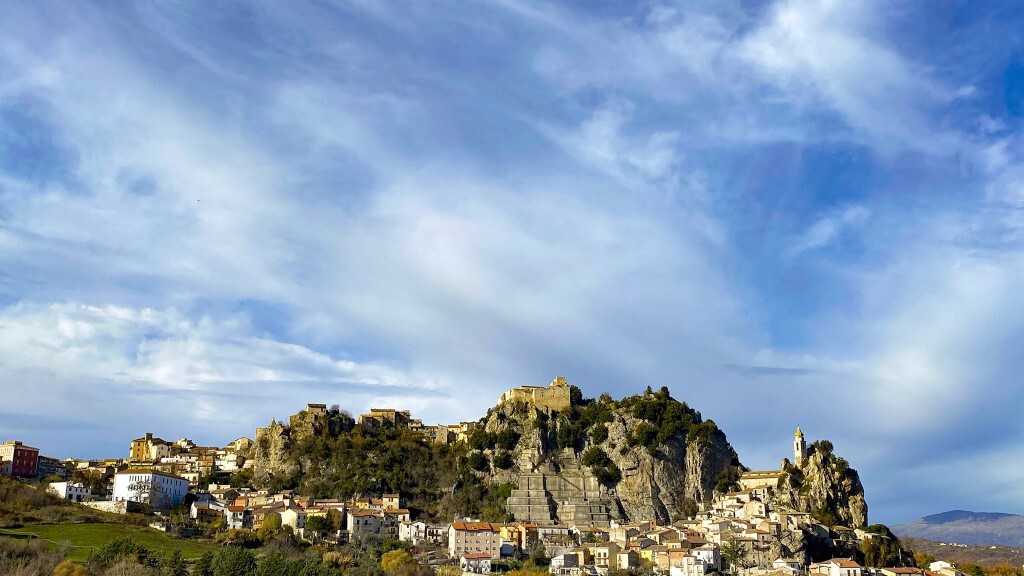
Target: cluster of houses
{"points": [[684, 548], [341, 520]]}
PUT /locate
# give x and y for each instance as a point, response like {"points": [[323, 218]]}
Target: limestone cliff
{"points": [[825, 486], [642, 457]]}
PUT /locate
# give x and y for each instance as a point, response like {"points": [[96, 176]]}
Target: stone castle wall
{"points": [[554, 398]]}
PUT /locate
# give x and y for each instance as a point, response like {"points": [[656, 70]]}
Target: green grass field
{"points": [[88, 537]]}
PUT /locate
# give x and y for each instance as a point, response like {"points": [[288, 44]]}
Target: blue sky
{"points": [[791, 212]]}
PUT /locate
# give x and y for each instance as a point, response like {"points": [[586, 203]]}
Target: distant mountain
{"points": [[965, 527]]}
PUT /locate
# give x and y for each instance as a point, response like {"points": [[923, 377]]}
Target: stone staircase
{"points": [[560, 490]]}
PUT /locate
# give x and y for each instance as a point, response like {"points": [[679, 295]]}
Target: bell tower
{"points": [[799, 447]]}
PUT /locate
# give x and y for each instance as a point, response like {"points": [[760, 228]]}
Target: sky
{"points": [[795, 212]]}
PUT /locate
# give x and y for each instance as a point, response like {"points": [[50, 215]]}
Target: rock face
{"points": [[613, 478], [824, 485], [659, 486], [273, 449], [271, 453]]}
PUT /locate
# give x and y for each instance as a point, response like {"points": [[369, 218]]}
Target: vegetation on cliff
{"points": [[639, 446]]}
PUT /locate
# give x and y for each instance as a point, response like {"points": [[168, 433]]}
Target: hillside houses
{"points": [[160, 473]]}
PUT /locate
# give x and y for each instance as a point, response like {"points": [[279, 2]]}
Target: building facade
{"points": [[18, 460], [465, 537], [157, 489], [69, 490]]}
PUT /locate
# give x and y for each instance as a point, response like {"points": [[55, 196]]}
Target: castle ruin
{"points": [[554, 398]]}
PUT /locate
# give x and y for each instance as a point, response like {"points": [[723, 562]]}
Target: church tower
{"points": [[799, 447]]}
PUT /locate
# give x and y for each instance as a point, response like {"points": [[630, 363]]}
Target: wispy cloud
{"points": [[828, 228]]}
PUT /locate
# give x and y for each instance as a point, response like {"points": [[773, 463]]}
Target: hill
{"points": [[541, 454], [964, 554], [966, 527]]}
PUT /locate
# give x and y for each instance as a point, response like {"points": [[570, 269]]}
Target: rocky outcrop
{"points": [[823, 485], [271, 455], [607, 476]]}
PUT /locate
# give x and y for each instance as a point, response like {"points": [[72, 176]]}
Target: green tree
{"points": [[273, 564], [479, 439], [970, 569], [234, 561], [114, 551], [174, 564], [204, 565], [735, 555], [503, 460], [318, 524], [478, 461], [826, 515], [270, 528], [507, 439], [448, 571], [538, 555]]}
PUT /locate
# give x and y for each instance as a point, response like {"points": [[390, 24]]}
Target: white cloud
{"points": [[201, 376], [823, 51], [826, 229]]}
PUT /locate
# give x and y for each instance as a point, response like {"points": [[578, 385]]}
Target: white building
{"points": [[689, 565], [838, 567], [709, 554], [238, 517], [158, 489], [476, 563], [414, 532], [69, 490], [563, 564], [791, 565], [296, 518]]}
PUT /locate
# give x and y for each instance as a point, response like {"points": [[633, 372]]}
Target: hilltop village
{"points": [[642, 484]]}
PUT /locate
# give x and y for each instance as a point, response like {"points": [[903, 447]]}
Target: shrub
{"points": [[478, 461], [503, 460], [69, 568], [507, 439]]}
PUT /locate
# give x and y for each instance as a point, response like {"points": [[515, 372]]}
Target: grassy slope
{"points": [[87, 537]]}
